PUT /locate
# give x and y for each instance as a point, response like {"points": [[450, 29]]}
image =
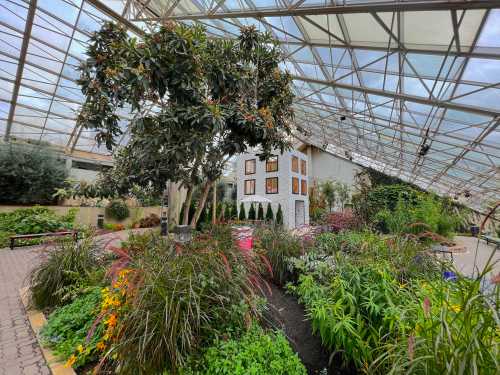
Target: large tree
{"points": [[195, 102]]}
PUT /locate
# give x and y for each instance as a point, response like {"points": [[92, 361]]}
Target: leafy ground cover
{"points": [[33, 220]]}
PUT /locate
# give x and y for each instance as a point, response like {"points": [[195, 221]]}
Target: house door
{"points": [[300, 214]]}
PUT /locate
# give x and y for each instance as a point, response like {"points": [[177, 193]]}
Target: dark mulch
{"points": [[287, 314]]}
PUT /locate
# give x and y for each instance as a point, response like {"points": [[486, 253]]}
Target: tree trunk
{"points": [[201, 203], [187, 205]]}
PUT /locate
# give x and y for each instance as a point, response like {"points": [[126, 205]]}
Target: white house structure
{"points": [[282, 179], [285, 179]]}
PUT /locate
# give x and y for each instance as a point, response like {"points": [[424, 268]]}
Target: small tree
{"points": [[242, 216], [342, 193], [260, 212], [279, 216], [251, 212], [328, 191], [269, 213], [215, 97]]}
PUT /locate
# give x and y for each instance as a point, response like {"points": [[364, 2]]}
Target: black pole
{"points": [[100, 221], [164, 225]]}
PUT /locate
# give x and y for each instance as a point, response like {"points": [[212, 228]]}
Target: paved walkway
{"points": [[465, 261], [19, 350]]}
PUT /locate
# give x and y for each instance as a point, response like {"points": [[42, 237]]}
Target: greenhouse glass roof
{"points": [[411, 88]]}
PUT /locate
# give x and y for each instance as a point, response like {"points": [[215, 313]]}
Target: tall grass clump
{"points": [[278, 245], [65, 269], [456, 330], [182, 299]]}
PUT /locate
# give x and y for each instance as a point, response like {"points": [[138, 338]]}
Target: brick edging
{"points": [[37, 321]]}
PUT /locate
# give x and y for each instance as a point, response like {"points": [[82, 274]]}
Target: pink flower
{"points": [[427, 307]]}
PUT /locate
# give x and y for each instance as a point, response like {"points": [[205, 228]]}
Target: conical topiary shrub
{"points": [[260, 212], [227, 212], [279, 216], [242, 216], [251, 212], [234, 211], [269, 213]]}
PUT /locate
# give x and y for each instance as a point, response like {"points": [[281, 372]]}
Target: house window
{"points": [[295, 164], [250, 166], [249, 187], [303, 187], [303, 168], [295, 185], [272, 164], [272, 185]]}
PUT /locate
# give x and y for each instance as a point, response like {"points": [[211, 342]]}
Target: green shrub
{"points": [[67, 270], [260, 212], [29, 175], [234, 211], [117, 209], [428, 213], [242, 215], [256, 352], [33, 220], [68, 326], [278, 246], [279, 216], [367, 204], [269, 213], [251, 212], [227, 211]]}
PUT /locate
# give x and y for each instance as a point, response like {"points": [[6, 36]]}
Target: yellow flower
{"points": [[71, 361], [455, 308], [80, 348], [123, 272], [101, 345], [111, 320]]}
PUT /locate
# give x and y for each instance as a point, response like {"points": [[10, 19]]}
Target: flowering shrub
{"points": [[339, 221]]}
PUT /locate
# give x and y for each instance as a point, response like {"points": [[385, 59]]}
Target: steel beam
{"points": [[118, 17], [20, 66], [402, 96], [387, 6]]}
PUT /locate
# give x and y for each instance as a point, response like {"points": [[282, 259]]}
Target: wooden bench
{"points": [[13, 239], [491, 239]]}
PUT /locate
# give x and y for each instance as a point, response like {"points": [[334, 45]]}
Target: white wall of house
{"points": [[326, 166], [285, 196]]}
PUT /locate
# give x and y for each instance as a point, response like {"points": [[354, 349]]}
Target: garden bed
{"points": [[287, 314]]}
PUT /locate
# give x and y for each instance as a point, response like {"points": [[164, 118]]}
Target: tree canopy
{"points": [[196, 101]]}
